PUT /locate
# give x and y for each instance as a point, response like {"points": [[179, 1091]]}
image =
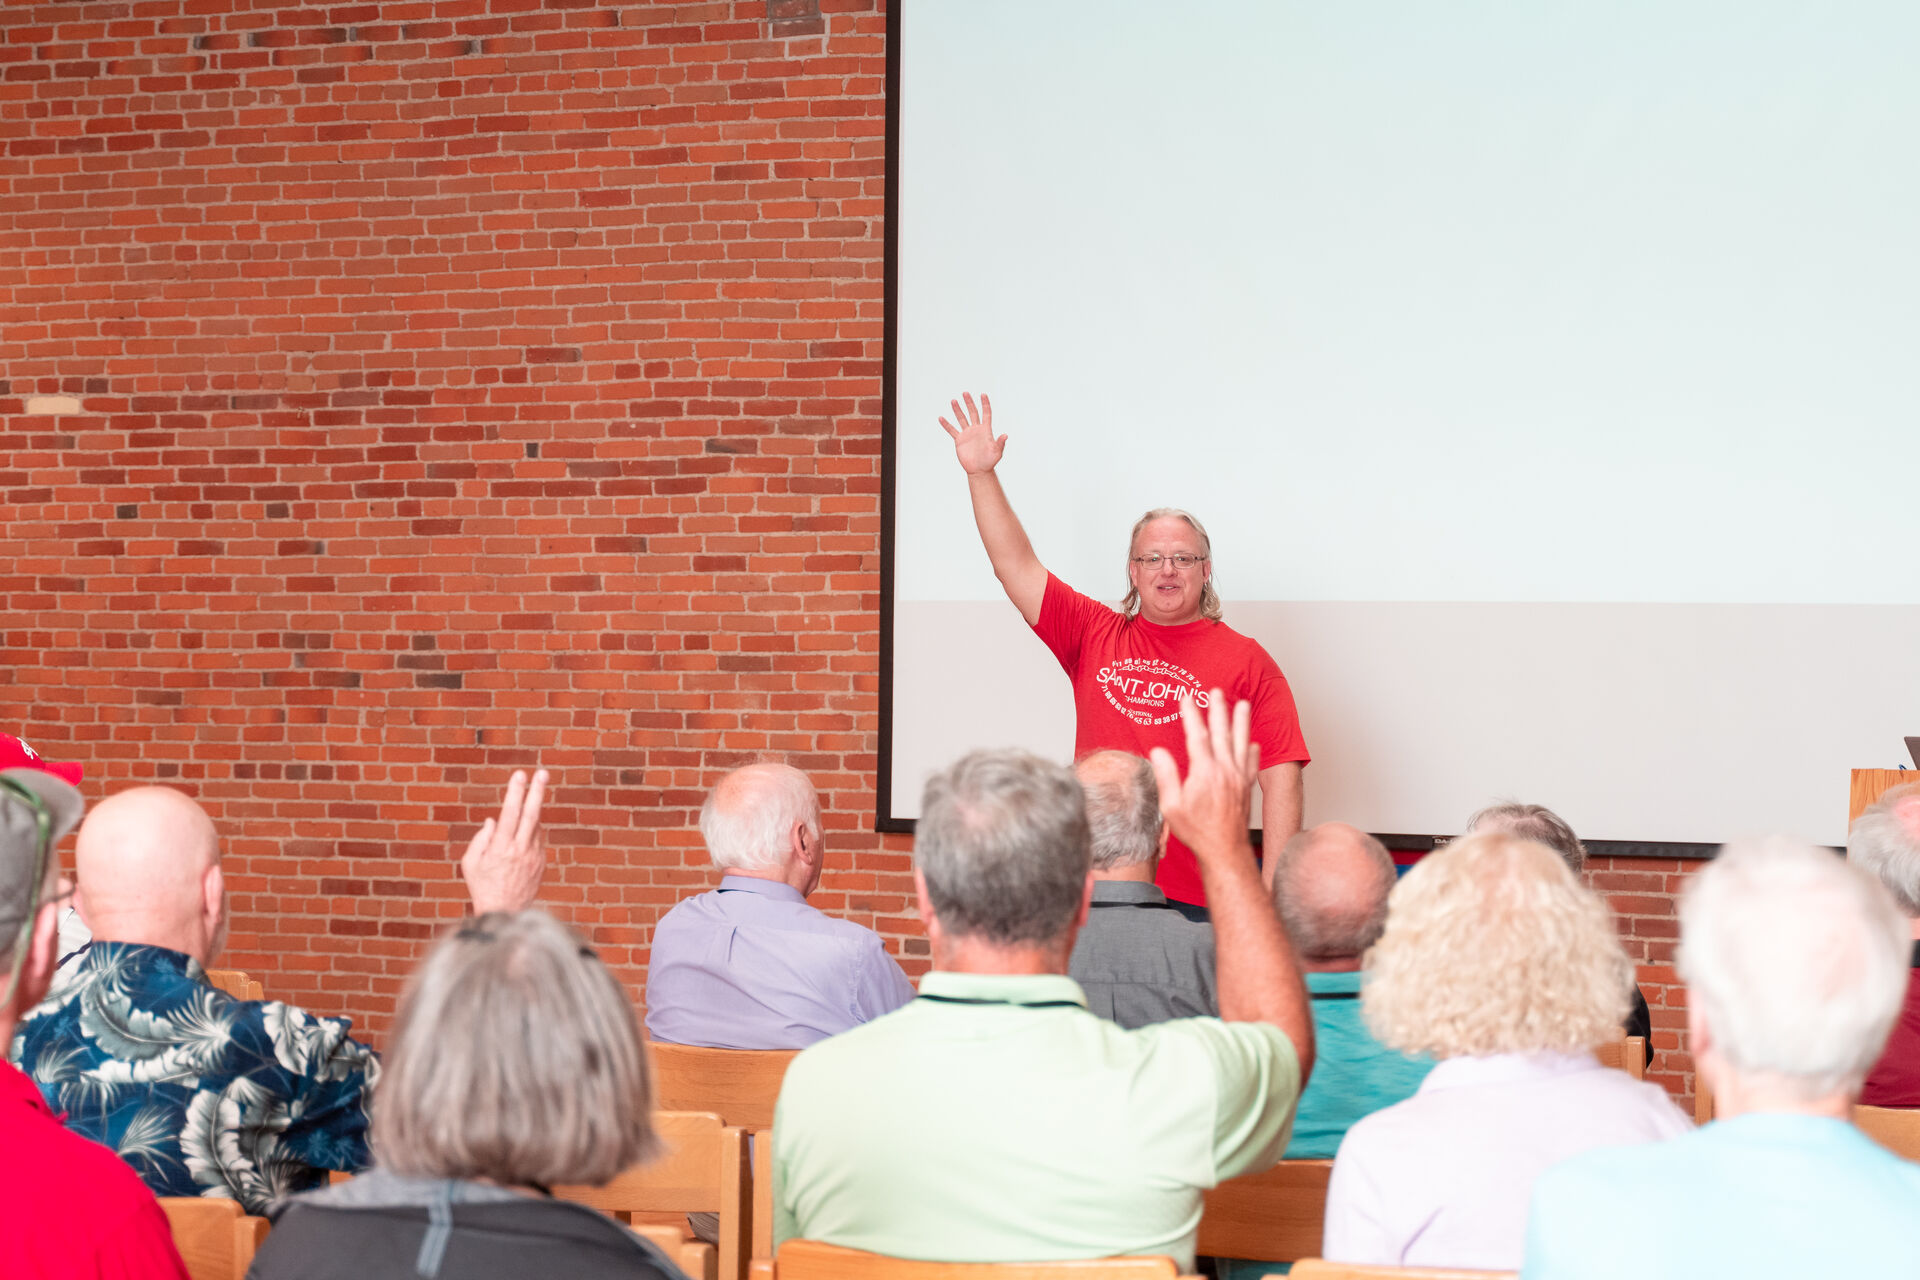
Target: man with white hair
{"points": [[203, 1094], [996, 1118], [1138, 959], [1885, 840], [750, 965], [1795, 964], [73, 1209]]}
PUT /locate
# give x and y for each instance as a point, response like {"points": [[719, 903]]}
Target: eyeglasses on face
{"points": [[1153, 560]]}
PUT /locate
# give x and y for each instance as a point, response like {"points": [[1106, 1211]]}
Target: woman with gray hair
{"points": [[1132, 667], [1496, 961], [516, 1065]]}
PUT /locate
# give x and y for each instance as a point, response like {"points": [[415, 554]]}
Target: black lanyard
{"points": [[1017, 1004]]}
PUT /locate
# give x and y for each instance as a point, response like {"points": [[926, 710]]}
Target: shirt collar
{"points": [[778, 890], [1329, 984], [15, 1086], [1013, 988], [1127, 891], [1505, 1068]]}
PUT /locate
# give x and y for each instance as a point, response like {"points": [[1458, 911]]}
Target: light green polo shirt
{"points": [[995, 1119]]}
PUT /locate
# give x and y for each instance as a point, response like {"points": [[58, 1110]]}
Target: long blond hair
{"points": [[1209, 598]]}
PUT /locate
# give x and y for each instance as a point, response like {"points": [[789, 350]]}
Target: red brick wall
{"points": [[465, 384], [1643, 892]]}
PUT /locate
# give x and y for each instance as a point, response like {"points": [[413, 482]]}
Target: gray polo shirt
{"points": [[1140, 961]]}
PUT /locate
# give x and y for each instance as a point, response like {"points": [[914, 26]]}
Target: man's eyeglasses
{"points": [[1153, 560]]}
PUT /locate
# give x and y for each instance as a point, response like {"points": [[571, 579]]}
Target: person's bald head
{"points": [[148, 866], [1330, 885]]}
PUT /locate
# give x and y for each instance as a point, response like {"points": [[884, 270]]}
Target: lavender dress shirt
{"points": [[752, 966], [1443, 1179]]}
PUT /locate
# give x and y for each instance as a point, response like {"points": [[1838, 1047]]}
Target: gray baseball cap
{"points": [[20, 841]]}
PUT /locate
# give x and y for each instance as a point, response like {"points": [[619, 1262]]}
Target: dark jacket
{"points": [[381, 1226]]}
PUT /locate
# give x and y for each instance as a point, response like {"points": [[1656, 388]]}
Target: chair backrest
{"points": [[1896, 1129], [812, 1260], [215, 1237], [762, 1194], [1274, 1216], [695, 1258], [1321, 1269], [1628, 1054], [236, 984], [702, 1169], [739, 1085]]}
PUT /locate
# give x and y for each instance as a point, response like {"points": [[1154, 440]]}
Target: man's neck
{"points": [[1736, 1096], [190, 942], [1137, 873], [1913, 927], [976, 955], [1334, 964], [777, 875]]}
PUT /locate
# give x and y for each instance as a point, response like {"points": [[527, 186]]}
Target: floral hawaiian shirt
{"points": [[202, 1094]]}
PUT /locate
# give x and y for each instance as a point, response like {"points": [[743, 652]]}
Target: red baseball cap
{"points": [[15, 754]]}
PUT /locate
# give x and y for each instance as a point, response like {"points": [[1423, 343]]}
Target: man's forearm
{"points": [[1014, 563], [1255, 970], [1281, 805]]}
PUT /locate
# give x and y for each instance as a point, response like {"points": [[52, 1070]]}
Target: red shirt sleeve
{"points": [[140, 1248], [1276, 722], [1064, 614]]}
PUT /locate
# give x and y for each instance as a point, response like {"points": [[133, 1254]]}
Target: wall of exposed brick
{"points": [[463, 384]]}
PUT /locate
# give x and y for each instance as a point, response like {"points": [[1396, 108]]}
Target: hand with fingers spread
{"points": [[1208, 809], [507, 858], [973, 440]]}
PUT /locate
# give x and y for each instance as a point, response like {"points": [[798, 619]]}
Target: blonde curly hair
{"points": [[1492, 945]]}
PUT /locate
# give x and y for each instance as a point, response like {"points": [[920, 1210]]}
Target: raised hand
{"points": [[1209, 808], [507, 858], [973, 440]]}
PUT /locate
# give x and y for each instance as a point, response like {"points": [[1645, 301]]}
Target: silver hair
{"points": [[1328, 927], [1209, 598], [1123, 813], [516, 1058], [1002, 842], [749, 817], [1533, 822], [1797, 961], [1885, 840]]}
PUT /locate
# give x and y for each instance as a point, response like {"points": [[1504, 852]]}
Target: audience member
{"points": [[750, 965], [1795, 964], [201, 1093], [16, 754], [516, 1066], [996, 1118], [1885, 840], [1542, 825], [1497, 962], [72, 1208], [1330, 884], [1138, 960]]}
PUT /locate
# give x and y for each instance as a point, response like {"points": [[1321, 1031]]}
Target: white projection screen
{"points": [[1547, 375]]}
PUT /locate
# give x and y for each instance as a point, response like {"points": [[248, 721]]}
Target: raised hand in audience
{"points": [[507, 858]]}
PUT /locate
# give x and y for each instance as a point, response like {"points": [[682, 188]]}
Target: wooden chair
{"points": [[739, 1085], [1628, 1054], [215, 1237], [1321, 1269], [694, 1257], [1895, 1128], [763, 1194], [1273, 1216], [236, 984], [1702, 1100], [812, 1260], [703, 1170]]}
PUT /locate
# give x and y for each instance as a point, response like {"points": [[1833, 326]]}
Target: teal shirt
{"points": [[1354, 1075], [1758, 1196], [995, 1119]]}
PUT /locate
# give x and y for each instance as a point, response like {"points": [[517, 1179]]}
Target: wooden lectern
{"points": [[1868, 784]]}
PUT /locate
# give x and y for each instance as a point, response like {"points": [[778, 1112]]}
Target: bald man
{"points": [[1138, 959], [750, 965], [1330, 885], [201, 1093]]}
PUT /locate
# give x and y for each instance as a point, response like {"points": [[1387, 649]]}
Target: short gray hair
{"points": [[1798, 962], [1002, 842], [1123, 813], [1332, 921], [749, 817], [1885, 840], [1533, 822], [516, 1057]]}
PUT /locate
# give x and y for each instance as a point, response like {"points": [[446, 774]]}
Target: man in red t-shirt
{"points": [[73, 1208], [1885, 839], [1131, 667]]}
